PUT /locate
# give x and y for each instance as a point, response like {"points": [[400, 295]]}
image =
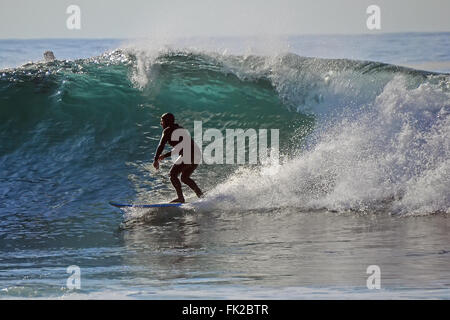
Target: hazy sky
{"points": [[143, 18]]}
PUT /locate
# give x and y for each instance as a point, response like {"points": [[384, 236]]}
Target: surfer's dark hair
{"points": [[168, 118]]}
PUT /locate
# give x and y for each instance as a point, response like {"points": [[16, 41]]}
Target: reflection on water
{"points": [[180, 253], [289, 248]]}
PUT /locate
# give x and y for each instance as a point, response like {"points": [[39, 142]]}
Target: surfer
{"points": [[49, 56], [182, 165]]}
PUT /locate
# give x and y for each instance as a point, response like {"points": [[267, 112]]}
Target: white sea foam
{"points": [[393, 156], [260, 292]]}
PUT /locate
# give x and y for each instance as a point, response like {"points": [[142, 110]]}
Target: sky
{"points": [[26, 19]]}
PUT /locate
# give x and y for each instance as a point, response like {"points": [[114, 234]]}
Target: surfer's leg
{"points": [[174, 172], [186, 178]]}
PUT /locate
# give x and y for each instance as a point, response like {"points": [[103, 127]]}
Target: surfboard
{"points": [[155, 205]]}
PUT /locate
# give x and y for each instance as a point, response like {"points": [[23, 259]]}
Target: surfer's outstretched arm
{"points": [[160, 148], [161, 145]]}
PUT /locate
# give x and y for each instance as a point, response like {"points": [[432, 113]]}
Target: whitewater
{"points": [[363, 177]]}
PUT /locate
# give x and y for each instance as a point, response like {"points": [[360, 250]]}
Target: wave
{"points": [[355, 135], [393, 157]]}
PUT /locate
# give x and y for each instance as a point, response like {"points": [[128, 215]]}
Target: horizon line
{"points": [[370, 33]]}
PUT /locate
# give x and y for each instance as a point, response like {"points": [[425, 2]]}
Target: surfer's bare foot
{"points": [[177, 200], [200, 195]]}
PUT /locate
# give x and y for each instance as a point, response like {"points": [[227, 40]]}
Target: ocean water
{"points": [[363, 179]]}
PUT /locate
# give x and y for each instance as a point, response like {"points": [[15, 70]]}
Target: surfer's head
{"points": [[167, 119]]}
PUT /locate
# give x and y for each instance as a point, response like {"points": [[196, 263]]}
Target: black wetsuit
{"points": [[186, 169]]}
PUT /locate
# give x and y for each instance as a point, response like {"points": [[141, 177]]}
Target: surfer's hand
{"points": [[161, 158], [156, 164]]}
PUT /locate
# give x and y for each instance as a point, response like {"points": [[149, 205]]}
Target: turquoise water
{"points": [[363, 179]]}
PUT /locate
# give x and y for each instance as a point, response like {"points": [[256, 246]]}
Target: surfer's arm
{"points": [[166, 155], [161, 145]]}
